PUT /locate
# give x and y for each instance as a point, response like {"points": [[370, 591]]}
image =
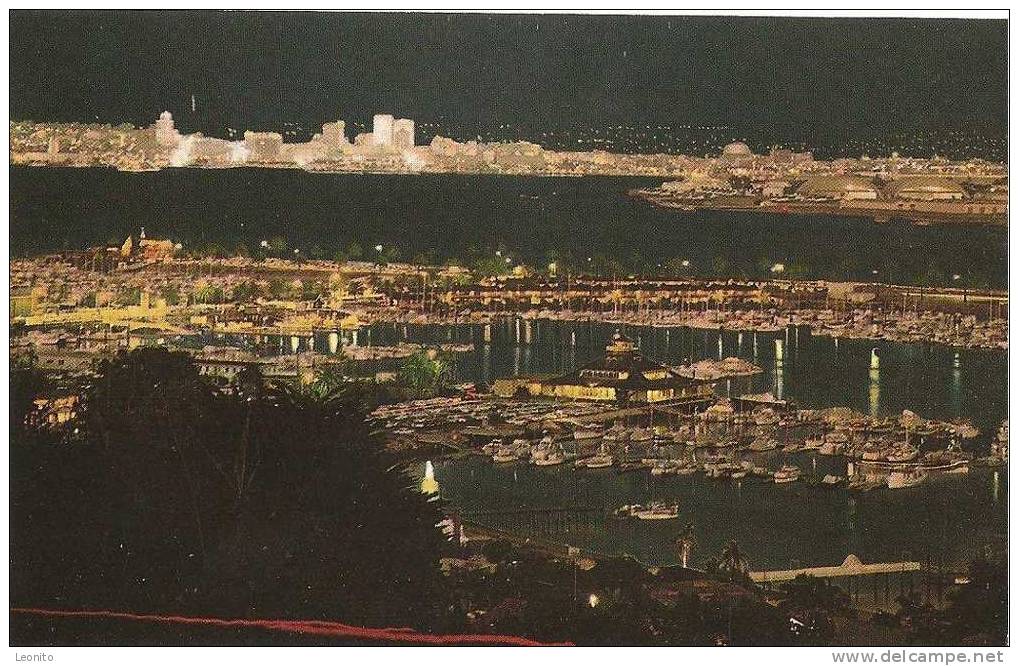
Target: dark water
{"points": [[933, 380], [440, 217], [949, 518]]}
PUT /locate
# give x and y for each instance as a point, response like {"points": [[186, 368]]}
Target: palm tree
{"points": [[423, 374], [731, 561]]}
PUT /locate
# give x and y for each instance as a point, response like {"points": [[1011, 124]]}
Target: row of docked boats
{"points": [[545, 453]]}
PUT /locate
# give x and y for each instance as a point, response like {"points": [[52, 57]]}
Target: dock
{"points": [[852, 566]]}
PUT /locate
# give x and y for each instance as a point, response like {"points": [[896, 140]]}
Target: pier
{"points": [[852, 566]]}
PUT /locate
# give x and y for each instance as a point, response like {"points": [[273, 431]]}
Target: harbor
{"points": [[794, 484]]}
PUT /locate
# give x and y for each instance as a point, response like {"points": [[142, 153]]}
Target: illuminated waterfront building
{"points": [[838, 187], [166, 133], [624, 375], [925, 188], [263, 146]]}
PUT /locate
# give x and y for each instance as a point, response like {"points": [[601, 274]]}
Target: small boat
{"points": [[907, 479], [766, 416], [663, 467], [903, 454], [831, 480], [587, 433], [597, 462], [787, 474], [763, 444], [639, 435], [653, 511], [552, 458], [506, 455], [686, 469], [812, 443]]}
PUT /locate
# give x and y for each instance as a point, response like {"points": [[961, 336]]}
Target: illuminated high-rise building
{"points": [[382, 129], [403, 133]]}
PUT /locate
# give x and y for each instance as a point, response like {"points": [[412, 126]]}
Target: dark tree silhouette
{"points": [[184, 499]]}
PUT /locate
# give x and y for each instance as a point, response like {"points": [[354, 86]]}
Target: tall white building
{"points": [[382, 129], [166, 133]]}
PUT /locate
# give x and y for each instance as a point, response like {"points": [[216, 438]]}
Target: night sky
{"points": [[259, 70]]}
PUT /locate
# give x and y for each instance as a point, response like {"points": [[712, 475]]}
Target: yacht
{"points": [[599, 460], [653, 511], [787, 474]]}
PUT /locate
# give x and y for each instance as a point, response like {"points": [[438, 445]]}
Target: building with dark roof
{"points": [[624, 375]]}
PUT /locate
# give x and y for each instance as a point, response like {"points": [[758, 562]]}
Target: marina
{"points": [[791, 481]]}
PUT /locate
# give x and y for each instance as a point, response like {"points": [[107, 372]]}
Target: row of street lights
{"points": [[776, 269]]}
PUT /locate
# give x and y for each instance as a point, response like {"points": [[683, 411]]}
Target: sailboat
{"points": [[600, 460]]}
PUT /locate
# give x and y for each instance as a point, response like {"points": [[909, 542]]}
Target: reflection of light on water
{"points": [[739, 343], [334, 342], [755, 346], [486, 364], [779, 371], [996, 486], [956, 388], [295, 343], [874, 391], [719, 346], [429, 485], [353, 337]]}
